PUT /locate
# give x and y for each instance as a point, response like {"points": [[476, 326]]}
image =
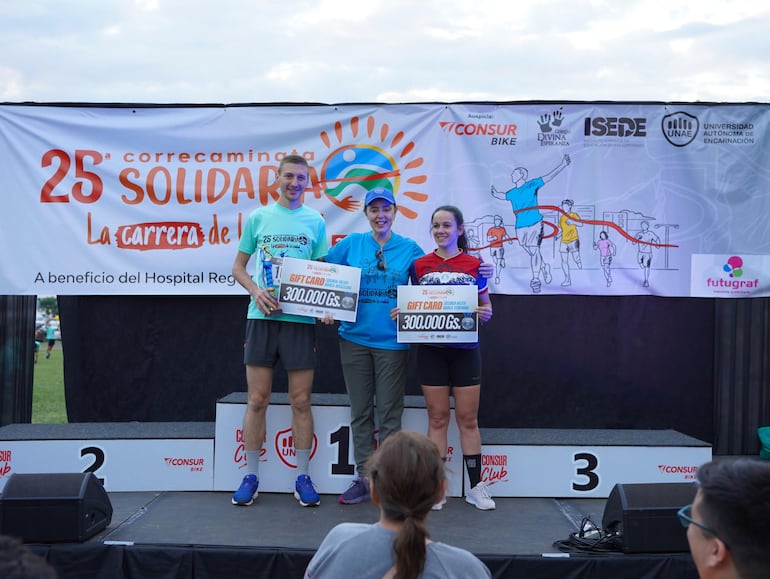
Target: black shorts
{"points": [[449, 366], [267, 341]]}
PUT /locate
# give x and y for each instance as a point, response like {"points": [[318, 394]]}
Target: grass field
{"points": [[48, 387]]}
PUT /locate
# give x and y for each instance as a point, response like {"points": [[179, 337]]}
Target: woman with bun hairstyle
{"points": [[407, 478]]}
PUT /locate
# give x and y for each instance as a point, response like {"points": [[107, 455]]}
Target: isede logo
{"points": [[734, 266], [364, 156]]}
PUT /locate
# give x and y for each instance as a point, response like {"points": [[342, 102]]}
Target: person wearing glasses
{"points": [[373, 362], [728, 524]]}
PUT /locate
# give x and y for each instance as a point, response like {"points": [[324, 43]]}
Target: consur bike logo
{"points": [[482, 125]]}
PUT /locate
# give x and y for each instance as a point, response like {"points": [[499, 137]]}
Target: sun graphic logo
{"points": [[383, 160], [734, 266]]}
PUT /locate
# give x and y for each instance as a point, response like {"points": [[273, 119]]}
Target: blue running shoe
{"points": [[247, 492], [305, 492], [358, 492]]}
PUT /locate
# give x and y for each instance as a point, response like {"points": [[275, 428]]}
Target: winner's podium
{"points": [[205, 456], [518, 462], [571, 462], [332, 466], [124, 456]]}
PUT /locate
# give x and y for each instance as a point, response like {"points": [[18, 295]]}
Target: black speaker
{"points": [[48, 508], [644, 516]]}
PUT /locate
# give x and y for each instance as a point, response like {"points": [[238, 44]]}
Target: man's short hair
{"points": [[735, 502], [294, 159]]}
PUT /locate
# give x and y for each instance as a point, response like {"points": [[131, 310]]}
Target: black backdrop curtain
{"points": [[17, 351], [549, 361]]}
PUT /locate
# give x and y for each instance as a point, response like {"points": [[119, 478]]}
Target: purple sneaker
{"points": [[357, 493]]}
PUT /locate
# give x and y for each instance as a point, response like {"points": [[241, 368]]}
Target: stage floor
{"points": [[275, 520], [201, 535]]}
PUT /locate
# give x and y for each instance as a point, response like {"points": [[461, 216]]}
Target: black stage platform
{"points": [[185, 535]]}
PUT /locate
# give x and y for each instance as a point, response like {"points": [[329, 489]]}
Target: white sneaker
{"points": [[479, 497], [439, 505]]}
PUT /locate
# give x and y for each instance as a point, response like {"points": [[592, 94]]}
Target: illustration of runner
{"points": [[644, 255], [606, 251], [474, 243], [495, 237], [570, 241], [529, 220]]}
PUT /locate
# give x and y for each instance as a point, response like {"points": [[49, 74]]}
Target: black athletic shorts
{"points": [[267, 341], [449, 366]]}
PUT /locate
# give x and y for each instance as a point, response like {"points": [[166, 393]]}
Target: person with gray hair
{"points": [[728, 524]]}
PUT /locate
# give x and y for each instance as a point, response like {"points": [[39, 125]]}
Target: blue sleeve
{"points": [[248, 243], [481, 281], [321, 247], [413, 274], [338, 253], [417, 251]]}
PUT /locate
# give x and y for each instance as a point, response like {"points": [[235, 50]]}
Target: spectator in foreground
{"points": [[407, 478], [728, 524]]}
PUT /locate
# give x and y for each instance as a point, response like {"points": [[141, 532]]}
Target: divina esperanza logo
{"points": [[364, 156]]}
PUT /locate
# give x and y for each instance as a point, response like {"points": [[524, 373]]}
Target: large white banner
{"points": [[586, 198]]}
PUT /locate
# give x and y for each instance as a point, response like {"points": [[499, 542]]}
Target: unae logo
{"points": [[284, 447], [680, 128]]}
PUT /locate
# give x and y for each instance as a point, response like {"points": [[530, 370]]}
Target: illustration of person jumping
{"points": [[529, 220]]}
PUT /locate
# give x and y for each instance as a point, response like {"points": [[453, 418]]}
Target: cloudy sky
{"points": [[335, 51]]}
